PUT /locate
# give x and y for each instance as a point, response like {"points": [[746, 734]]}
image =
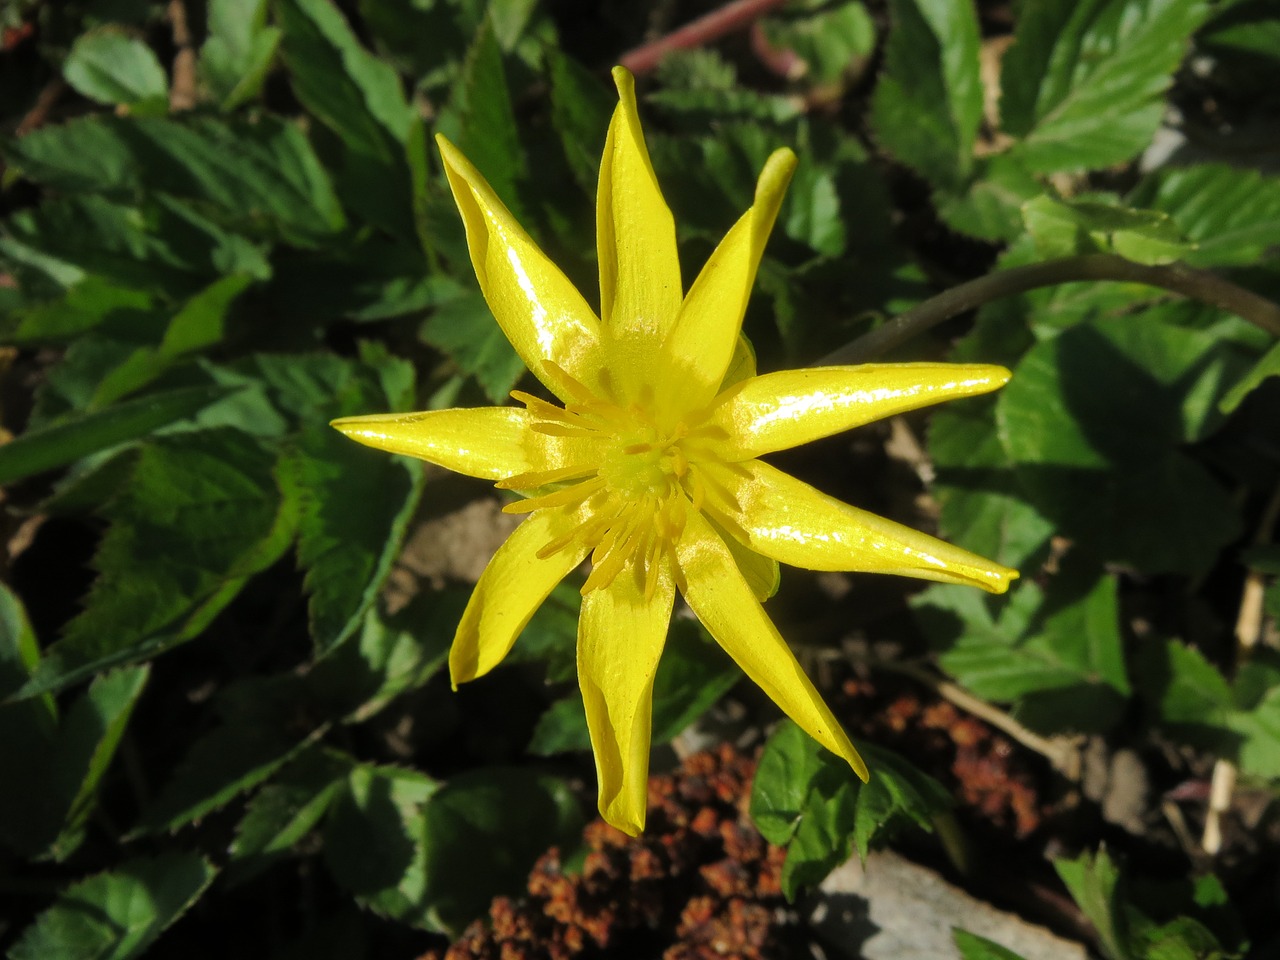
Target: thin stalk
{"points": [[712, 26], [1177, 278]]}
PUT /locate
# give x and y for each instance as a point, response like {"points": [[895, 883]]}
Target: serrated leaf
{"points": [[237, 51], [1186, 695], [1092, 880], [479, 844], [58, 444], [262, 174], [1062, 228], [1083, 84], [283, 813], [1095, 419], [464, 328], [808, 799], [109, 66], [349, 89], [86, 743], [928, 103], [264, 723], [354, 509], [1232, 214], [829, 40], [580, 110], [200, 514], [119, 914], [480, 119]]}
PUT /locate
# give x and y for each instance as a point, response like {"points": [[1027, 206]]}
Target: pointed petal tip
{"points": [[998, 579], [623, 79], [615, 814]]}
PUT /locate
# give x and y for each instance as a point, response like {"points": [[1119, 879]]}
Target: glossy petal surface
{"points": [[540, 311], [510, 590], [723, 601], [485, 442], [782, 410], [781, 517], [620, 639], [640, 287], [702, 343]]}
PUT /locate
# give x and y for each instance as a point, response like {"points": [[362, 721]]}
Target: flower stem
{"points": [[712, 26], [1177, 278]]}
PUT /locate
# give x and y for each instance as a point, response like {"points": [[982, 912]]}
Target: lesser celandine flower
{"points": [[650, 465]]}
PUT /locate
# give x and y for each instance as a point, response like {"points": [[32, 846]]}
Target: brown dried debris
{"points": [[700, 884]]}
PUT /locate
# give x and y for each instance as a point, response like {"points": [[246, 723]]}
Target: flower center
{"points": [[631, 492]]}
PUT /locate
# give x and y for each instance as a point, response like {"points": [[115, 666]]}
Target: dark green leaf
{"points": [[1083, 84], [61, 443], [116, 915], [261, 174], [928, 103], [109, 66], [480, 844], [580, 110], [829, 40], [780, 792], [464, 328], [237, 52], [201, 513], [1095, 419]]}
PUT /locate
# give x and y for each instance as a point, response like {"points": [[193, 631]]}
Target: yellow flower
{"points": [[651, 465]]}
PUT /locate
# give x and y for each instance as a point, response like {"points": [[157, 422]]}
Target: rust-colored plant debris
{"points": [[985, 770], [700, 883]]}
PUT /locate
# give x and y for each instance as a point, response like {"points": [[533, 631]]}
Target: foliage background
{"points": [[223, 226]]}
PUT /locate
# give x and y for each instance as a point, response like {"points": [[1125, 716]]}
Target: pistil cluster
{"points": [[633, 489]]}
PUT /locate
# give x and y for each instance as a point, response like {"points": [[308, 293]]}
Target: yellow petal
{"points": [[541, 312], [487, 442], [722, 600], [782, 410], [620, 639], [777, 515], [705, 336], [510, 590], [640, 287]]}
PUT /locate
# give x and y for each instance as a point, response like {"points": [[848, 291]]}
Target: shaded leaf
{"points": [[116, 915], [109, 66], [237, 51]]}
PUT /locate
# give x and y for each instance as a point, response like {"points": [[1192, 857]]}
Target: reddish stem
{"points": [[712, 26]]}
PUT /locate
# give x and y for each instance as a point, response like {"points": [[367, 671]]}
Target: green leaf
{"points": [[264, 723], [200, 514], [982, 508], [1186, 695], [928, 103], [261, 175], [64, 442], [1268, 365], [779, 794], [463, 327], [1092, 881], [350, 90], [1095, 419], [580, 110], [1083, 84], [479, 844], [116, 915], [237, 52], [829, 40], [1063, 641], [283, 813], [86, 743], [373, 840], [1232, 214], [897, 794], [974, 947], [109, 66], [355, 507], [480, 120], [1064, 228]]}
